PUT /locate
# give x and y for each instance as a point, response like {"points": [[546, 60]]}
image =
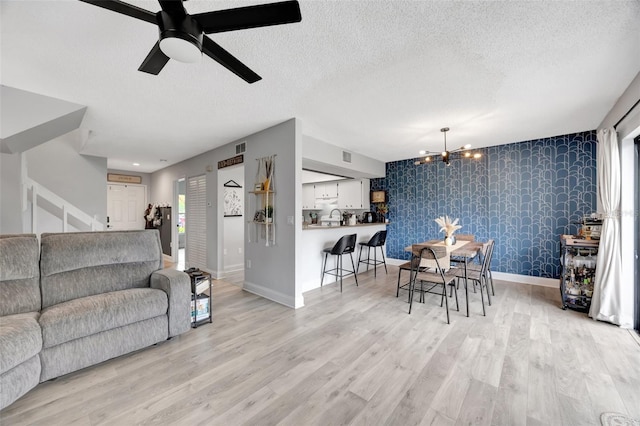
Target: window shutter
{"points": [[196, 226]]}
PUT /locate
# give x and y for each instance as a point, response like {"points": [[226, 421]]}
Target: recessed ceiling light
{"points": [[136, 164]]}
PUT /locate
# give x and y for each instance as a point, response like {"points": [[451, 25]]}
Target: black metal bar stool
{"points": [[345, 245], [378, 240]]}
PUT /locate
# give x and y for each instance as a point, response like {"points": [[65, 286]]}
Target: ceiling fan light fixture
{"points": [[180, 39], [180, 49]]}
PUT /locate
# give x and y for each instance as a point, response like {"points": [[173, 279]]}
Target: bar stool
{"points": [[378, 240], [345, 245]]}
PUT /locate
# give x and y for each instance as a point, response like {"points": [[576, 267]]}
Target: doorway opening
{"points": [[179, 226], [231, 223]]}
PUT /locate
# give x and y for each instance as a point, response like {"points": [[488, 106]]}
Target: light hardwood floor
{"points": [[359, 358]]}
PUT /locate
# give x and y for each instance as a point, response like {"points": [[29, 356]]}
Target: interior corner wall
{"points": [[273, 268], [273, 272], [78, 179], [10, 194], [524, 195]]}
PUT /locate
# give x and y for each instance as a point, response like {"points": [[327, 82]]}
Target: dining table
{"points": [[466, 250]]}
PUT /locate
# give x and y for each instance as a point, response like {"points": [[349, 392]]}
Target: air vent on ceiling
{"points": [[346, 156], [241, 148]]}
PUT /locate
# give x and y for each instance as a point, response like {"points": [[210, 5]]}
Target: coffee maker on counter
{"points": [[369, 217]]}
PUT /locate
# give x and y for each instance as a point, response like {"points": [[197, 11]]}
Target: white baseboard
{"points": [[527, 279], [503, 276], [234, 268], [268, 293]]}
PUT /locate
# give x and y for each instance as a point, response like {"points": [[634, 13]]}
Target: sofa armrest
{"points": [[177, 285]]}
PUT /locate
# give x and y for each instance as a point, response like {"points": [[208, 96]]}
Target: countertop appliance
{"points": [[369, 217]]}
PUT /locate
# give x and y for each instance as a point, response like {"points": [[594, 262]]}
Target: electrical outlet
{"points": [[225, 252], [248, 263], [289, 220], [239, 250]]}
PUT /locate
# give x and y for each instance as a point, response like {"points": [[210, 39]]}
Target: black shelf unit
{"points": [[197, 277], [578, 259]]}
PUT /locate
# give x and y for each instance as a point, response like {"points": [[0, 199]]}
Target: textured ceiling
{"points": [[376, 77]]}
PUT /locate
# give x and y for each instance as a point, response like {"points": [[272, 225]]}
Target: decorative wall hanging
{"points": [[232, 199]]}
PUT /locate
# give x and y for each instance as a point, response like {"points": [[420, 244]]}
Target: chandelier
{"points": [[446, 156]]}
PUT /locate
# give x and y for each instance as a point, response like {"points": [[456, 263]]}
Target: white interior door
{"points": [[125, 207]]}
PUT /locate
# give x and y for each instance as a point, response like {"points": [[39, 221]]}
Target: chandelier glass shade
{"points": [[446, 156]]}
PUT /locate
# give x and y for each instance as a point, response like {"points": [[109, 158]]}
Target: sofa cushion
{"points": [[18, 381], [20, 339], [94, 314], [19, 274], [80, 264]]}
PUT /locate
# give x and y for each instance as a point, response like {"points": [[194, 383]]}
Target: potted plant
{"points": [[382, 209]]}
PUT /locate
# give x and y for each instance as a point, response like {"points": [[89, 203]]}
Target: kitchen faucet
{"points": [[339, 213]]}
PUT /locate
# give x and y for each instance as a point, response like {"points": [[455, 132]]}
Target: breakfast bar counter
{"points": [[318, 237]]}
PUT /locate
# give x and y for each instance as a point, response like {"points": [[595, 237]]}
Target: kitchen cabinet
{"points": [[354, 194], [350, 194], [325, 190], [308, 196]]}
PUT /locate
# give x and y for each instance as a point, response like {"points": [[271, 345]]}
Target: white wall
{"points": [[10, 194], [322, 156], [78, 179], [232, 229], [273, 269]]}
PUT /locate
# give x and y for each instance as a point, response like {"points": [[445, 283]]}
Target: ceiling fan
{"points": [[182, 36]]}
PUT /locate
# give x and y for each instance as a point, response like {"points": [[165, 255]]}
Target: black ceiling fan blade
{"points": [[227, 60], [155, 61], [174, 8], [241, 18], [125, 9]]}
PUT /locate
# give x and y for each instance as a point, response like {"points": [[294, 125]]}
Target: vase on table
{"points": [[448, 241]]}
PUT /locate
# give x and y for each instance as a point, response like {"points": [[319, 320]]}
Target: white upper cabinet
{"points": [[353, 194], [308, 196], [350, 194], [326, 190]]}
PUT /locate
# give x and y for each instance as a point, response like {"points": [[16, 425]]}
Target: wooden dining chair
{"points": [[477, 275], [432, 280], [487, 251]]}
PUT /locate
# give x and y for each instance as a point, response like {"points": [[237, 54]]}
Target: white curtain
{"points": [[607, 303]]}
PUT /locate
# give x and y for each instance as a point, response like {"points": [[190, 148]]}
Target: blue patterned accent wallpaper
{"points": [[524, 195]]}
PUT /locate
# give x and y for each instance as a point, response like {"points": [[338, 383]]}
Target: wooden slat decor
{"points": [[113, 177]]}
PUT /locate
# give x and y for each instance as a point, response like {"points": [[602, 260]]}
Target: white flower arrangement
{"points": [[447, 225]]}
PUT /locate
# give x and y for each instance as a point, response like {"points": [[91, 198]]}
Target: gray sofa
{"points": [[81, 299]]}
